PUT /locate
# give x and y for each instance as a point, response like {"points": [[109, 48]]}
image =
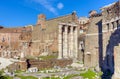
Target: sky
{"points": [[19, 13]]}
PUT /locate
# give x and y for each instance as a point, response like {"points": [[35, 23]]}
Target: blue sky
{"points": [[15, 13]]}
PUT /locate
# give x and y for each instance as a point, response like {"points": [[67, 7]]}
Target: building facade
{"points": [[93, 40]]}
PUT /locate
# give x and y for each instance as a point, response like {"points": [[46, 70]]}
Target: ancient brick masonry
{"points": [[45, 33], [50, 63], [41, 39], [40, 64], [11, 40], [111, 23], [71, 38], [101, 28], [22, 65]]}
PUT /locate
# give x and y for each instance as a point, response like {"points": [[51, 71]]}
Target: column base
{"points": [[75, 60], [66, 57], [59, 57]]}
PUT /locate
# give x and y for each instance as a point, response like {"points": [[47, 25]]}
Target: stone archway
{"points": [[111, 63]]}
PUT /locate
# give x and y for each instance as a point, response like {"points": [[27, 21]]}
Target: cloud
{"points": [[60, 5], [47, 4]]}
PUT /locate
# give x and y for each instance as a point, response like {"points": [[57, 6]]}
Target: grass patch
{"points": [[79, 62], [30, 57], [51, 78], [71, 76], [27, 77], [67, 77], [1, 72], [5, 77], [89, 74], [47, 57], [19, 71]]}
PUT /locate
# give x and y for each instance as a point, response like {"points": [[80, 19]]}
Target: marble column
{"points": [[111, 27], [22, 55], [115, 24], [66, 42], [63, 41], [76, 43], [71, 41], [60, 44], [119, 22]]}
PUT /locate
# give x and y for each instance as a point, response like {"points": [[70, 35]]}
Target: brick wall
{"points": [[91, 58], [41, 64]]}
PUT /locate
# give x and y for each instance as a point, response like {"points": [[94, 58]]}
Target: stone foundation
{"points": [[42, 64]]}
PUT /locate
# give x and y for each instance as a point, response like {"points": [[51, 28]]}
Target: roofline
{"points": [[58, 17], [62, 16], [106, 6]]}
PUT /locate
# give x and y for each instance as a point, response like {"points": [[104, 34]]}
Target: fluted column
{"points": [[115, 24], [66, 42], [71, 41], [75, 42], [60, 44], [111, 27]]}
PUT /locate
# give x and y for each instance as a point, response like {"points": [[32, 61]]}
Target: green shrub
{"points": [[27, 77]]}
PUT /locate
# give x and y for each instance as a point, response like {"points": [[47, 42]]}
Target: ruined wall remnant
{"points": [[11, 40], [42, 64], [45, 40]]}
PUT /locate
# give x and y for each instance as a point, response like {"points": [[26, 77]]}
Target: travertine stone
{"points": [[111, 26], [105, 27], [66, 43], [115, 24], [116, 61], [71, 40], [75, 42], [60, 42]]}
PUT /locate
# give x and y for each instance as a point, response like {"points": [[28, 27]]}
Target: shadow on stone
{"points": [[107, 65]]}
